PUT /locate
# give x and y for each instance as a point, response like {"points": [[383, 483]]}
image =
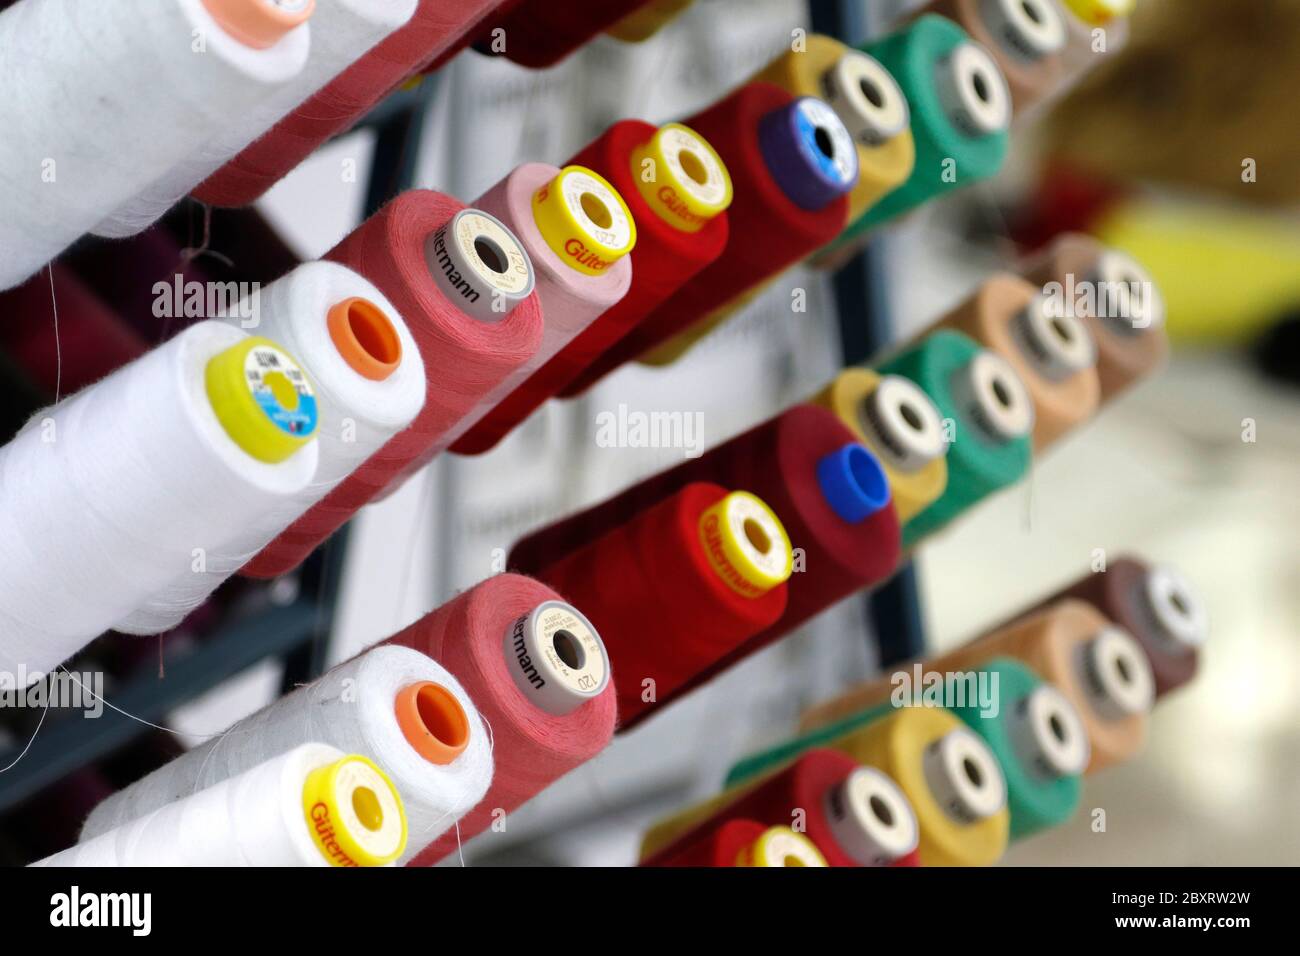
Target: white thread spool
{"points": [[994, 397], [108, 496], [871, 818], [358, 413], [342, 32], [259, 818], [973, 90], [354, 708], [101, 99], [905, 424]]}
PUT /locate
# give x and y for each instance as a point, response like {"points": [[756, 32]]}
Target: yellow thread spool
{"points": [[746, 544], [584, 220], [781, 846], [641, 24], [1100, 12], [681, 177], [912, 491], [262, 398], [354, 814]]}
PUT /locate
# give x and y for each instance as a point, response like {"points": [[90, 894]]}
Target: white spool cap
{"points": [[1029, 29], [866, 97], [1126, 297], [964, 776], [973, 90], [906, 426], [994, 397], [871, 818], [480, 265], [1116, 674], [557, 659], [1048, 734], [1179, 616], [1057, 345]]}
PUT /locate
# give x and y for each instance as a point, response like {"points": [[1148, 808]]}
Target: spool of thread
{"points": [[830, 493], [74, 70], [643, 23], [92, 340], [792, 163], [894, 418], [541, 33], [866, 98], [855, 815], [426, 253], [1116, 299], [342, 31], [391, 704], [960, 110], [1154, 604], [434, 27], [176, 452], [676, 588], [1050, 349], [1026, 37], [990, 409], [947, 773], [678, 189], [747, 843], [369, 383], [1097, 665], [1035, 733], [311, 806], [578, 232], [541, 678]]}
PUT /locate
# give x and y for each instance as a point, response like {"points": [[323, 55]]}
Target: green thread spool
{"points": [[911, 55], [1037, 799], [979, 463]]}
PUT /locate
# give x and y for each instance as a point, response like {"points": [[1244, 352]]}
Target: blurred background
{"points": [[1181, 149]]}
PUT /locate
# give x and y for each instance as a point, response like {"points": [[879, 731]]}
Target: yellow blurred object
{"points": [[640, 25]]}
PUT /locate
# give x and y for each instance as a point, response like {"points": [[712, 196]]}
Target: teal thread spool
{"points": [[992, 413], [1036, 736], [913, 55]]}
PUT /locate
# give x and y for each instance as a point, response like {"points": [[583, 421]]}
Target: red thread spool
{"points": [[777, 461], [464, 358], [717, 848], [541, 33], [768, 231], [658, 600], [435, 26], [532, 747], [92, 340]]}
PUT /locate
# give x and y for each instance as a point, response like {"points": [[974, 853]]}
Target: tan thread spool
{"points": [[988, 316], [1123, 358]]}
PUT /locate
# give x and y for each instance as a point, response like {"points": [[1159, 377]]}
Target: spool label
{"points": [[584, 220], [274, 379]]}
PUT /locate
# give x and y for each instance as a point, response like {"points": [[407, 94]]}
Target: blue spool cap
{"points": [[853, 482], [809, 152]]}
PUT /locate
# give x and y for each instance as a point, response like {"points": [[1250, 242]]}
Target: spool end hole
{"points": [[757, 536], [596, 210], [693, 166], [882, 811], [872, 92], [491, 254], [374, 332], [366, 805], [823, 140], [569, 649], [973, 772]]}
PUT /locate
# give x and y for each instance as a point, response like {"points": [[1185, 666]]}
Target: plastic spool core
{"points": [[262, 399], [1028, 29], [853, 483], [584, 220], [365, 338], [1056, 346], [1048, 734], [433, 721], [809, 152], [480, 265], [973, 90], [906, 425], [1116, 674], [354, 814], [556, 658], [781, 847], [1180, 618], [259, 24], [746, 544], [964, 777], [994, 397], [871, 819], [681, 177], [866, 98], [1126, 298]]}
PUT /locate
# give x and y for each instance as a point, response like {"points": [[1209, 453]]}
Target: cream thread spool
{"points": [[363, 706], [480, 265], [872, 820], [1056, 345], [964, 777], [311, 806], [905, 426], [866, 98], [973, 90], [1048, 735], [1028, 29], [1116, 674], [1178, 616], [681, 177], [556, 658], [994, 398]]}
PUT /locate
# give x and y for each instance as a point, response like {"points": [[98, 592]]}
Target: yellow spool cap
{"points": [[1100, 12], [354, 813], [681, 177], [584, 220], [781, 846], [262, 398], [746, 544]]}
